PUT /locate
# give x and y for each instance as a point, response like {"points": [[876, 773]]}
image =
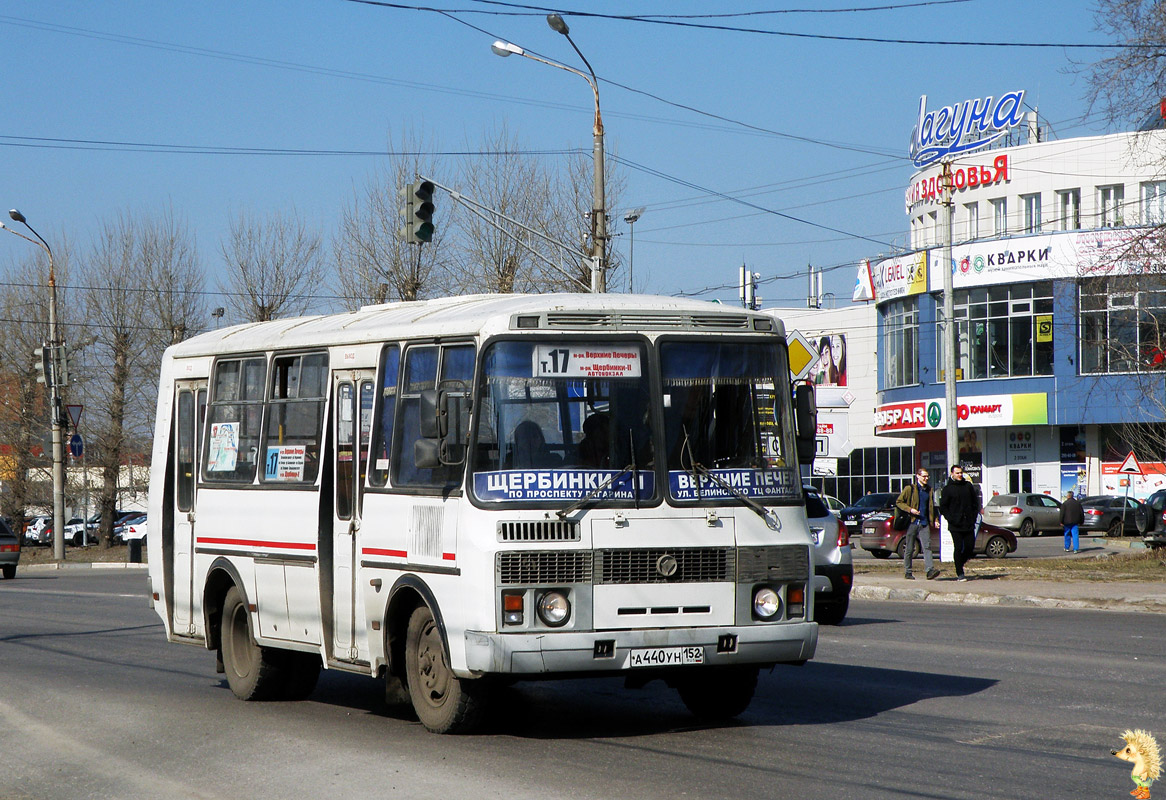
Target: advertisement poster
{"points": [[831, 367]]}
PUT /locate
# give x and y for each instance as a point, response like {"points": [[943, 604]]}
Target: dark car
{"points": [[854, 513], [1150, 519], [9, 550], [1113, 514], [881, 539]]}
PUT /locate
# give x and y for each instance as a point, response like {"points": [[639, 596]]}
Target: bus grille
{"points": [[789, 562], [666, 565], [538, 531], [571, 566]]}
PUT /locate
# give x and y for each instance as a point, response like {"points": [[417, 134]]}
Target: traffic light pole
{"points": [[52, 381]]}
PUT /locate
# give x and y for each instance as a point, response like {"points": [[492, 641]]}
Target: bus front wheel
{"points": [[716, 694], [444, 703]]}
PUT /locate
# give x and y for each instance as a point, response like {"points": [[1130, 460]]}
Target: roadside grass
{"points": [[1137, 565], [77, 555]]}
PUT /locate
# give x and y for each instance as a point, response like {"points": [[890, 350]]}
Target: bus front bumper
{"points": [[605, 651]]}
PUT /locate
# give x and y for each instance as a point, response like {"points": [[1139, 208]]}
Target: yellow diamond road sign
{"points": [[802, 356]]}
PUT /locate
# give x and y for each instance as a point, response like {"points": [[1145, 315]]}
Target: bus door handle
{"points": [[190, 517], [353, 527]]}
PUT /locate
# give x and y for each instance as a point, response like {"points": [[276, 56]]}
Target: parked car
{"points": [[833, 503], [854, 513], [1114, 514], [120, 529], [881, 539], [1027, 514], [80, 533], [9, 551], [39, 531], [135, 531], [833, 565], [1150, 519]]}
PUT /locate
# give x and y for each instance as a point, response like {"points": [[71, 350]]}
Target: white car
{"points": [[833, 563], [134, 530], [80, 534]]}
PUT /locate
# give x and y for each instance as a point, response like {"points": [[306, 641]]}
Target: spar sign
{"points": [[984, 411]]}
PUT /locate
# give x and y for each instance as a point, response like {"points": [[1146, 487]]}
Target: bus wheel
{"points": [[444, 703], [716, 694], [251, 670]]}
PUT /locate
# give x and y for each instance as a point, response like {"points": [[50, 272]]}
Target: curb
{"points": [[87, 565]]}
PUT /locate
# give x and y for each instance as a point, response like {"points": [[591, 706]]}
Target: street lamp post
{"points": [[55, 345], [598, 202], [630, 218]]}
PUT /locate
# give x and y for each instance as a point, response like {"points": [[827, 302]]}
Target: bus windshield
{"points": [[727, 422], [556, 421]]}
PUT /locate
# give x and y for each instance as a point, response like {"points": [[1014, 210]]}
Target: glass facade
{"points": [[1001, 331], [900, 343], [1122, 320]]}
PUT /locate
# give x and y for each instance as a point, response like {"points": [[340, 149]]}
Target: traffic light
{"points": [[43, 364], [418, 211]]}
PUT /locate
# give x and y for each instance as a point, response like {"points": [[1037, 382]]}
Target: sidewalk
{"points": [[991, 590]]}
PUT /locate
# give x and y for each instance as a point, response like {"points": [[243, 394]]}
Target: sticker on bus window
{"points": [[285, 462], [533, 485], [585, 361], [752, 483], [224, 447]]}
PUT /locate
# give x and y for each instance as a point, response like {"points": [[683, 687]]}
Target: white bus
{"points": [[452, 493]]}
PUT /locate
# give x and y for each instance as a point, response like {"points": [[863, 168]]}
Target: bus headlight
{"points": [[553, 608], [766, 603]]}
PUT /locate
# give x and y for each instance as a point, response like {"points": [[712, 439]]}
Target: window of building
{"points": [[295, 418], [933, 227], [1122, 324], [236, 409], [1154, 203], [1031, 212], [1069, 208], [1001, 331], [1109, 205], [972, 216], [999, 216], [900, 351], [882, 469]]}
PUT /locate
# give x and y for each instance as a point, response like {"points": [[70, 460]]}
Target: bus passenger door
{"points": [[352, 423], [189, 416]]}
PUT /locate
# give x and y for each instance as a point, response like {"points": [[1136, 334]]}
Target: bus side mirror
{"points": [[431, 414], [444, 419], [806, 420], [427, 453]]}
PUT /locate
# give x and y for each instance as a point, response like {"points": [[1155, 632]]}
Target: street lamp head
{"points": [[17, 216], [633, 215], [557, 24], [504, 49]]}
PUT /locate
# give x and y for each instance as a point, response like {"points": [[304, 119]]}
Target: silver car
{"points": [[1027, 514], [833, 565]]}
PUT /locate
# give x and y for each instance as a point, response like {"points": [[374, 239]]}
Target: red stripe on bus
{"points": [[449, 556], [257, 543], [378, 551]]}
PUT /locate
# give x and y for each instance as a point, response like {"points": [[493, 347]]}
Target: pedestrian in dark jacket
{"points": [[1072, 515], [917, 500], [960, 505]]}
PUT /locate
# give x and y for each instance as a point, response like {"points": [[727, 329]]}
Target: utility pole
{"points": [[949, 331]]}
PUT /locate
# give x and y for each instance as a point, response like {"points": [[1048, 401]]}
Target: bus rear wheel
{"points": [[443, 702], [252, 671], [717, 694]]}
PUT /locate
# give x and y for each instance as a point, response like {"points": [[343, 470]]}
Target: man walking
{"points": [[1072, 515], [918, 501], [960, 505]]}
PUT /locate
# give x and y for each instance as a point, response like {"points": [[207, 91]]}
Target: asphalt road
{"points": [[904, 700]]}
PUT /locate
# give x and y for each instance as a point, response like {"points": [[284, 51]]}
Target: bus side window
{"points": [[382, 445], [421, 372], [295, 418], [236, 406]]}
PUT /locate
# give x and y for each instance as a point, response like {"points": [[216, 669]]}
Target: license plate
{"points": [[665, 656]]}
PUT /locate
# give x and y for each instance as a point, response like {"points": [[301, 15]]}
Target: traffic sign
{"points": [[75, 414], [76, 447], [1130, 466], [802, 355]]}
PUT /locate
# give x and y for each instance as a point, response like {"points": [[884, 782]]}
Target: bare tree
{"points": [[274, 265], [1131, 80], [140, 280], [374, 263]]}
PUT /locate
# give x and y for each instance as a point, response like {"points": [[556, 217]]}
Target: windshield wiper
{"points": [[578, 503], [700, 469]]}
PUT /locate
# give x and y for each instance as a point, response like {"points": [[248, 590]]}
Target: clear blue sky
{"points": [[339, 75]]}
